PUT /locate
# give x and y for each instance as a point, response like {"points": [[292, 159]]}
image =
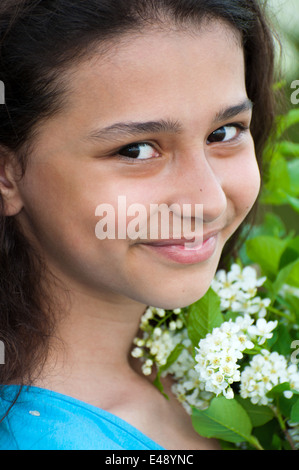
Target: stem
{"points": [[283, 426], [278, 312], [163, 319]]}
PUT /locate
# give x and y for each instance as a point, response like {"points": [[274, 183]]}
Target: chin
{"points": [[180, 297]]}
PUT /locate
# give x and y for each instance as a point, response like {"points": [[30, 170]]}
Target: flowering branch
{"points": [[221, 347]]}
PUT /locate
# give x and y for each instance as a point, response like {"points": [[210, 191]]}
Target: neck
{"points": [[92, 341]]}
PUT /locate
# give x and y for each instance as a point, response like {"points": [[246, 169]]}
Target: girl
{"points": [[155, 101]]}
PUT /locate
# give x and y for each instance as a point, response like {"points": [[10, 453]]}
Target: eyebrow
{"points": [[121, 129], [233, 111]]}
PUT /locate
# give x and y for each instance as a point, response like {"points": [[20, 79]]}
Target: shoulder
{"points": [[45, 420]]}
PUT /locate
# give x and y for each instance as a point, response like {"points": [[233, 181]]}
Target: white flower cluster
{"points": [[219, 352], [188, 388], [237, 290], [157, 341], [265, 371], [216, 365]]}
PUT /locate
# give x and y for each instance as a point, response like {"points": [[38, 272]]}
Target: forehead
{"points": [[177, 74], [162, 60]]}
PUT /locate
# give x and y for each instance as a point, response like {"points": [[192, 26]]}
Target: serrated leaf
{"points": [[204, 315], [224, 419]]}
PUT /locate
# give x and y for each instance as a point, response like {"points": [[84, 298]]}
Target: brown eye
{"points": [[223, 134], [139, 151]]}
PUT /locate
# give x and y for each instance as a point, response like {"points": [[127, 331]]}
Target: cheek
{"points": [[249, 185], [242, 183]]}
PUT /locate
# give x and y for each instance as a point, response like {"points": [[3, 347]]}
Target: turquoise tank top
{"points": [[45, 420]]}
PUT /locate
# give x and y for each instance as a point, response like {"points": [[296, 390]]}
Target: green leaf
{"points": [[278, 390], [277, 181], [282, 278], [287, 121], [272, 225], [266, 432], [291, 253], [285, 405], [284, 339], [276, 443], [288, 149], [258, 414], [292, 302], [278, 175], [224, 419], [266, 251], [204, 315], [292, 201], [293, 278], [295, 412], [173, 356]]}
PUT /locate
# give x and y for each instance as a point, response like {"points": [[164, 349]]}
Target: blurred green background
{"points": [[284, 15]]}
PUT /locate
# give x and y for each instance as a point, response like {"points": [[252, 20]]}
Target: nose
{"points": [[197, 182]]}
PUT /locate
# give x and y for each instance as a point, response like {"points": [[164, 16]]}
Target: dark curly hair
{"points": [[39, 40]]}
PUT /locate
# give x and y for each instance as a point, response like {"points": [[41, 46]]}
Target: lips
{"points": [[179, 252]]}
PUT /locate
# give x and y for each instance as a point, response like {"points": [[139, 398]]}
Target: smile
{"points": [[177, 251]]}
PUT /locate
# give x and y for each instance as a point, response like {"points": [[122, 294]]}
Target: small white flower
{"points": [[262, 330], [146, 370], [160, 312], [177, 311], [259, 306], [229, 393], [137, 352]]}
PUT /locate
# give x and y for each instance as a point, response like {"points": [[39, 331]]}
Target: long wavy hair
{"points": [[39, 40]]}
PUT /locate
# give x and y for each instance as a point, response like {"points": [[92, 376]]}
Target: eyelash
{"points": [[241, 127]]}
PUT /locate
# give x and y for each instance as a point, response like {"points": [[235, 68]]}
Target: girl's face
{"points": [[160, 119]]}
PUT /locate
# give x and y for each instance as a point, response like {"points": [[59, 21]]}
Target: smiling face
{"points": [[161, 119]]}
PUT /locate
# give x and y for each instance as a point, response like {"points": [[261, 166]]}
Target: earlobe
{"points": [[9, 188]]}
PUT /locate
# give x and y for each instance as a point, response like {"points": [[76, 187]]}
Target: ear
{"points": [[8, 185]]}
